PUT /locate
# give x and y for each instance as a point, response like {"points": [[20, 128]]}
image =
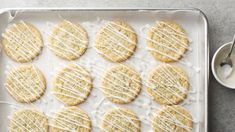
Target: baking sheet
{"points": [[195, 61]]}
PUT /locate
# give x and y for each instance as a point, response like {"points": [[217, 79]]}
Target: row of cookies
{"points": [[74, 119], [116, 41], [167, 84]]}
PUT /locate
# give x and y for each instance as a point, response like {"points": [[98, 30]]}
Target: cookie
{"points": [[116, 41], [168, 84], [68, 40], [28, 120], [120, 120], [72, 85], [121, 84], [172, 119], [25, 83], [71, 119], [167, 41], [22, 42]]}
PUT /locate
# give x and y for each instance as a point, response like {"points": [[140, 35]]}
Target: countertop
{"points": [[221, 15]]}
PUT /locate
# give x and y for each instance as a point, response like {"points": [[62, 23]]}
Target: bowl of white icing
{"points": [[225, 75]]}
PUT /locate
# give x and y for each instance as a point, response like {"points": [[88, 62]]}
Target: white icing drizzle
{"points": [[173, 81], [71, 90], [115, 84], [67, 48], [61, 53], [73, 83], [173, 48], [30, 90], [66, 42], [24, 54], [69, 33], [114, 52], [76, 28], [171, 119], [64, 116], [67, 95], [62, 128], [109, 28], [78, 74], [179, 32], [37, 123], [165, 46], [114, 40], [171, 37], [131, 93], [30, 38], [113, 30], [15, 93], [162, 53], [119, 113], [33, 34], [16, 36], [111, 22]]}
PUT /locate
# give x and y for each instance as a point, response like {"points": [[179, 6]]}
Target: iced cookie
{"points": [[120, 120], [22, 42], [28, 120], [121, 84], [172, 119], [116, 41], [167, 41], [71, 119], [25, 83], [68, 40], [72, 84], [168, 84]]}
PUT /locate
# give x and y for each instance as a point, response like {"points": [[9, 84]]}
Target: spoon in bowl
{"points": [[227, 62]]}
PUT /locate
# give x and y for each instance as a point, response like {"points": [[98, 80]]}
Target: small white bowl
{"points": [[221, 52]]}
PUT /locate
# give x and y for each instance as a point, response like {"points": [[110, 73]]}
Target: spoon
{"points": [[227, 60]]}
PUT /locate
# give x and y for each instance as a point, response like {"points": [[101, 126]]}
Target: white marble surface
{"points": [[221, 15]]}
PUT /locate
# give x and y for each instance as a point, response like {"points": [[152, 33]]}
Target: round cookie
{"points": [[71, 119], [22, 42], [25, 83], [72, 85], [168, 84], [121, 84], [116, 41], [120, 120], [68, 41], [172, 119], [28, 120], [167, 41]]}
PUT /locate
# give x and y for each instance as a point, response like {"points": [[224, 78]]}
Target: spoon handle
{"points": [[231, 49]]}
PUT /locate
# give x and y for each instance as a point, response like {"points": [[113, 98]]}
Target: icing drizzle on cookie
{"points": [[71, 119], [121, 119], [115, 33], [27, 43], [169, 78], [66, 43], [32, 118], [170, 36], [120, 83], [167, 120], [73, 83], [25, 85]]}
